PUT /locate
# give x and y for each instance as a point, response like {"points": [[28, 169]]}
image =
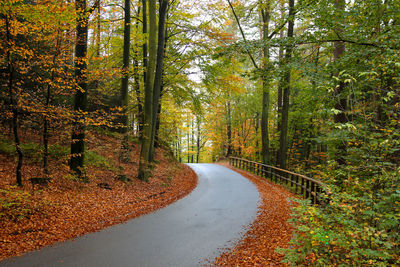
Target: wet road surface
{"points": [[185, 233]]}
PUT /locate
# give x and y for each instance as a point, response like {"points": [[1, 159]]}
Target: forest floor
{"points": [[34, 217], [269, 231]]}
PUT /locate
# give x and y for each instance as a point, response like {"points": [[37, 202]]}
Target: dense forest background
{"points": [[309, 85]]}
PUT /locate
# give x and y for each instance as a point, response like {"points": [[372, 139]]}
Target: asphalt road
{"points": [[186, 233]]}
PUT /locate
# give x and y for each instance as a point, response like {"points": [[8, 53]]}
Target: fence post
{"points": [[313, 191], [307, 189]]}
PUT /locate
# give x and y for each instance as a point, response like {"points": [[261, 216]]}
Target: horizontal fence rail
{"points": [[303, 185]]}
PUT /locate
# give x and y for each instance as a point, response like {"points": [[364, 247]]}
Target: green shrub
{"points": [[58, 151], [94, 159], [6, 146], [359, 227], [14, 204]]}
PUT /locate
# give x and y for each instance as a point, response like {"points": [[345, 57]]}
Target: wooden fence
{"points": [[303, 185]]}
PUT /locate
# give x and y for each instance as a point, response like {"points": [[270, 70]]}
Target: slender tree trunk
{"points": [[144, 55], [192, 147], [229, 129], [136, 86], [341, 104], [98, 36], [14, 103], [257, 126], [46, 122], [144, 164], [159, 71], [265, 86], [158, 122], [283, 144], [188, 143], [125, 68], [279, 100], [138, 95], [80, 99], [198, 139]]}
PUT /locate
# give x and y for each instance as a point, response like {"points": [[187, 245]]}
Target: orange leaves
{"points": [[67, 209]]}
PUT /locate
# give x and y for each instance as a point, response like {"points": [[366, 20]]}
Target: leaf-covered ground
{"points": [[32, 218], [269, 230]]}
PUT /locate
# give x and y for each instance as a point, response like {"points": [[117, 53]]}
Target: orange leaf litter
{"points": [[269, 230], [67, 209]]}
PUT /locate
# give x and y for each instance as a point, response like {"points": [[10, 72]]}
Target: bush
{"points": [[358, 227], [94, 159], [14, 204]]}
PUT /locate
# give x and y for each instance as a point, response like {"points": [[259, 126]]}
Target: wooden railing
{"points": [[303, 185]]}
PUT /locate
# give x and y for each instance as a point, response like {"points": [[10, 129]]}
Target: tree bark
{"points": [[279, 100], [229, 129], [265, 87], [125, 68], [198, 139], [159, 71], [80, 99], [283, 144], [144, 164], [341, 104], [145, 54], [46, 120], [14, 104]]}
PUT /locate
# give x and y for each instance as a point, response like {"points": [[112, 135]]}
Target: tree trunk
{"points": [[14, 104], [138, 96], [80, 99], [188, 143], [144, 48], [192, 147], [144, 164], [136, 86], [159, 71], [279, 100], [229, 130], [286, 93], [158, 122], [125, 68], [198, 139], [265, 87], [46, 120], [341, 104], [98, 36]]}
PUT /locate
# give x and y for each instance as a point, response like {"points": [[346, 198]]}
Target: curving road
{"points": [[185, 233]]}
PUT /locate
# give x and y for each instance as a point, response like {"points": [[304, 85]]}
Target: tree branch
{"points": [[244, 37]]}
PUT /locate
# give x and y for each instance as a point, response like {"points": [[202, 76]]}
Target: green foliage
{"points": [[94, 159], [6, 146], [58, 151], [14, 204], [30, 149], [357, 227], [33, 150], [106, 132]]}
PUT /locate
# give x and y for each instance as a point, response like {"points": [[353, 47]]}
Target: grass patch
{"points": [[94, 159], [58, 151], [32, 150], [106, 132]]}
